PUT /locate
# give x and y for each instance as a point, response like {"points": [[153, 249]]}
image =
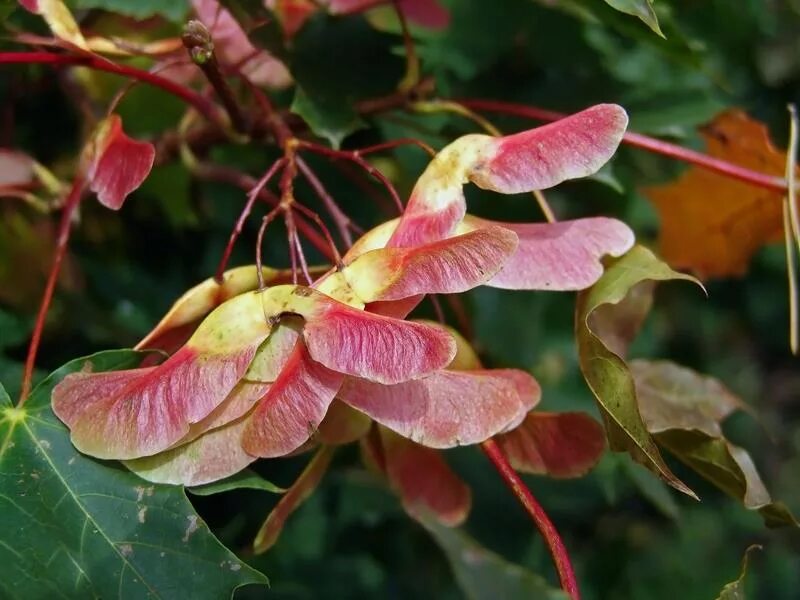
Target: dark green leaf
{"points": [[243, 480], [75, 527], [484, 575], [604, 370], [174, 10], [337, 62]]}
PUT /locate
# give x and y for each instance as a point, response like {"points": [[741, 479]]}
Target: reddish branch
{"points": [[543, 523], [64, 228], [197, 101], [642, 141]]}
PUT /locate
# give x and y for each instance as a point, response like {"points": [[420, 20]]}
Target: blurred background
{"points": [[630, 535]]}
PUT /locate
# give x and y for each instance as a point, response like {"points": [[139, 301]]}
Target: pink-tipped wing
{"points": [[555, 444], [288, 415], [140, 412], [213, 456], [119, 164], [447, 266], [425, 483], [560, 256], [575, 146], [447, 408], [374, 347]]}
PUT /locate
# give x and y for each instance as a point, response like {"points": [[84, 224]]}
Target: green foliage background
{"points": [[630, 536]]}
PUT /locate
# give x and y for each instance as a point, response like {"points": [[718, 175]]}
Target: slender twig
{"points": [[334, 251], [451, 106], [252, 195], [268, 218], [638, 140], [197, 41], [791, 229], [204, 106], [220, 173], [64, 229], [355, 157], [551, 537], [411, 76], [544, 205], [340, 219]]}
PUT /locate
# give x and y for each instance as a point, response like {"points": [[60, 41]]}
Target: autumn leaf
{"points": [[712, 224]]}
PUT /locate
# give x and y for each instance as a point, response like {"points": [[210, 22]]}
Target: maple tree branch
{"points": [[200, 103], [638, 140], [543, 523], [64, 229], [198, 43], [229, 175]]}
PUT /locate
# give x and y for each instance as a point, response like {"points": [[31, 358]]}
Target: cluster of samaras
{"points": [[269, 372]]}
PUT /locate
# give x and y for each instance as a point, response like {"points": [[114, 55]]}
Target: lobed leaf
{"points": [[84, 528]]}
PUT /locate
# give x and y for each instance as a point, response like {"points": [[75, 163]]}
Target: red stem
{"points": [[204, 106], [557, 549], [64, 228], [641, 141], [252, 195]]}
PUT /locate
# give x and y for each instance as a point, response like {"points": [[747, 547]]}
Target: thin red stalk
{"points": [[64, 228], [211, 172], [252, 195], [460, 312], [334, 251], [354, 156], [642, 141], [341, 220], [259, 242], [437, 308], [394, 144], [204, 106], [551, 537], [198, 43]]}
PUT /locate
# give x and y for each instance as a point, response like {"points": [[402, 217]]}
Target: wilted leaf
{"points": [[712, 224], [735, 589], [674, 397], [85, 528], [683, 410], [606, 373], [484, 575], [638, 8]]}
